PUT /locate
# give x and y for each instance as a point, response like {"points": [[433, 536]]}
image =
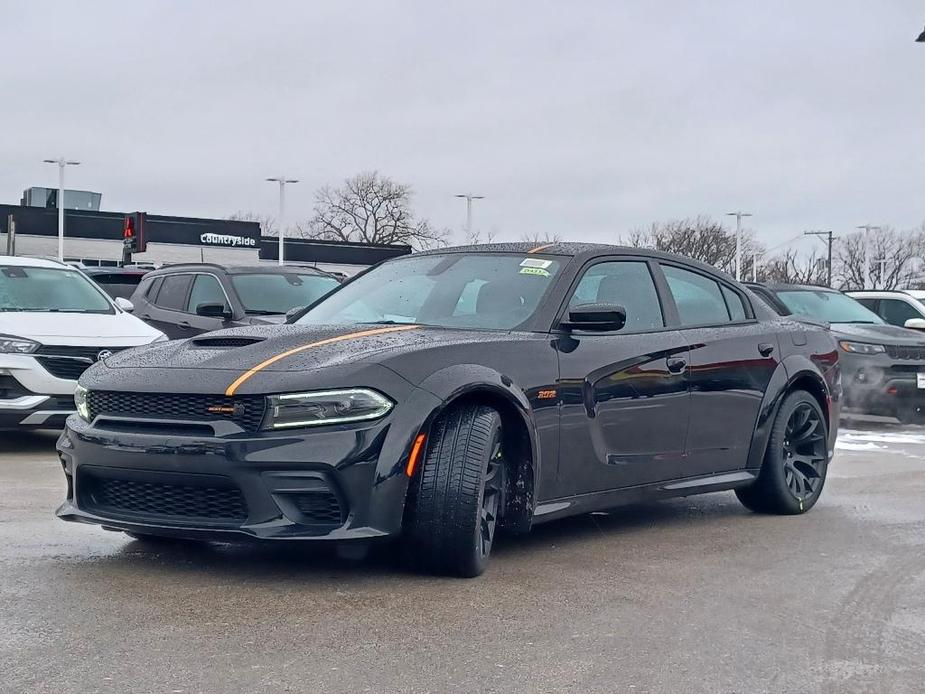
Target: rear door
{"points": [[623, 394], [167, 308], [732, 359]]}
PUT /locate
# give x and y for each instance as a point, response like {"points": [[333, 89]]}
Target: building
{"points": [[96, 238]]}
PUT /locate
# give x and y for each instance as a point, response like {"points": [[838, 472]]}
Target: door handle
{"points": [[676, 364], [765, 349]]}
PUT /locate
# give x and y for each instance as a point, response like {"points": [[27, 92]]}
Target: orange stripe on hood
{"points": [[288, 353]]}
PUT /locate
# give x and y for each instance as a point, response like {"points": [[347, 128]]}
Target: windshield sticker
{"points": [[534, 271], [535, 262]]}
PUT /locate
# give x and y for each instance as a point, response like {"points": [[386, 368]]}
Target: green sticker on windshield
{"points": [[534, 271]]}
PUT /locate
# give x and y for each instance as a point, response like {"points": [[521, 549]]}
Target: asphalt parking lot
{"points": [[692, 595]]}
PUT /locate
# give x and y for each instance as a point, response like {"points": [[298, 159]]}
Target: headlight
{"points": [[861, 347], [16, 345], [80, 400], [325, 407]]}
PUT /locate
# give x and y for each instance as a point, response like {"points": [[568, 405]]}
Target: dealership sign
{"points": [[211, 239]]}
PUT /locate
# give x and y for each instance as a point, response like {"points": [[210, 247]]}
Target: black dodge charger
{"points": [[446, 396]]}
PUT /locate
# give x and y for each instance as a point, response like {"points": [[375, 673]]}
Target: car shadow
{"points": [[31, 441]]}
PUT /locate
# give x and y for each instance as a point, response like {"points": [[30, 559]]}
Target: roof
{"points": [[874, 293], [573, 249], [778, 287], [240, 269], [19, 261]]}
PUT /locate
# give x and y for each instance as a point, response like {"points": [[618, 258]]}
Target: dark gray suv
{"points": [[186, 300], [883, 366]]}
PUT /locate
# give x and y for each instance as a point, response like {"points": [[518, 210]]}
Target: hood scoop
{"points": [[225, 342]]}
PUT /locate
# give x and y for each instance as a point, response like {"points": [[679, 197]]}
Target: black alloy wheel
{"points": [[456, 497], [793, 473]]}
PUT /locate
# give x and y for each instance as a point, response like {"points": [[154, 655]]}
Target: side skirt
{"points": [[598, 501]]}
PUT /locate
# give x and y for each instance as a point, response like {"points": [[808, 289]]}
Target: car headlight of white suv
{"points": [[10, 344]]}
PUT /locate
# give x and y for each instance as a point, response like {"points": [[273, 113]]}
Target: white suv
{"points": [[905, 307], [54, 324]]}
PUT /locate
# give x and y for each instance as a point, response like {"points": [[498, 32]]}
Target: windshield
{"points": [[49, 290], [275, 293], [451, 290], [833, 307]]}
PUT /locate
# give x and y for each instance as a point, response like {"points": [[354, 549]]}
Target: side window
{"points": [[153, 288], [206, 290], [869, 303], [734, 303], [173, 293], [699, 299], [627, 283], [897, 311]]}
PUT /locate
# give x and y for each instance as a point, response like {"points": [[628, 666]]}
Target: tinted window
{"points": [[155, 285], [174, 291], [699, 299], [734, 304], [868, 303], [626, 283], [429, 289], [206, 290], [897, 311], [118, 284], [273, 293]]}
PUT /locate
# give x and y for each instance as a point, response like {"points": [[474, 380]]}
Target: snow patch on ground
{"points": [[850, 436]]}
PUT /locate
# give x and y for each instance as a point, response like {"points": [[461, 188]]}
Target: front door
{"points": [[625, 403]]}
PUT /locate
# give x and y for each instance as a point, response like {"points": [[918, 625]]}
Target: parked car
{"points": [[118, 282], [883, 366], [904, 308], [442, 395], [186, 300], [55, 323]]}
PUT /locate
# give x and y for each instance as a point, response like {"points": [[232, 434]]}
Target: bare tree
{"points": [[539, 239], [700, 238], [371, 209], [895, 258], [476, 236], [267, 222], [790, 268]]}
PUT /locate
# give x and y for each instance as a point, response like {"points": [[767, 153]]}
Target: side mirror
{"points": [[293, 312], [213, 311], [915, 324], [595, 317], [128, 306]]}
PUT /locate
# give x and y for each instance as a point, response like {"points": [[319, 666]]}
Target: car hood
{"points": [[294, 348], [880, 334], [119, 329]]}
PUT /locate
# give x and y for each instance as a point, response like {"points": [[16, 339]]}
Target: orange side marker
{"points": [[415, 455], [340, 338]]}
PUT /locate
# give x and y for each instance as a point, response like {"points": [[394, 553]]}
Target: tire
{"points": [[456, 496], [793, 472], [909, 413]]}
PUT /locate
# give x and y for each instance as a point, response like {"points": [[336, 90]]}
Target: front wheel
{"points": [[456, 497], [795, 463]]}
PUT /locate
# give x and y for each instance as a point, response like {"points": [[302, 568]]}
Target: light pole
{"points": [[867, 229], [469, 198], [829, 237], [738, 216], [61, 162], [282, 181]]}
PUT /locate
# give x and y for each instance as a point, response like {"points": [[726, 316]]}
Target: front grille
{"points": [[68, 362], [906, 352], [321, 508], [216, 500], [245, 411]]}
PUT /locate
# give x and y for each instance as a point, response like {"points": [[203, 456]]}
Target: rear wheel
{"points": [[910, 413], [795, 463], [456, 497]]}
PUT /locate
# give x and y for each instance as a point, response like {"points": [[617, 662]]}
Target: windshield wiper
{"points": [[261, 312], [387, 322]]}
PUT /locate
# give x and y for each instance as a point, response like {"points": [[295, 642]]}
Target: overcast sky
{"points": [[584, 119]]}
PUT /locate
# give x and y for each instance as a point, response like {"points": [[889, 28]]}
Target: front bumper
{"points": [[336, 483], [879, 384]]}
